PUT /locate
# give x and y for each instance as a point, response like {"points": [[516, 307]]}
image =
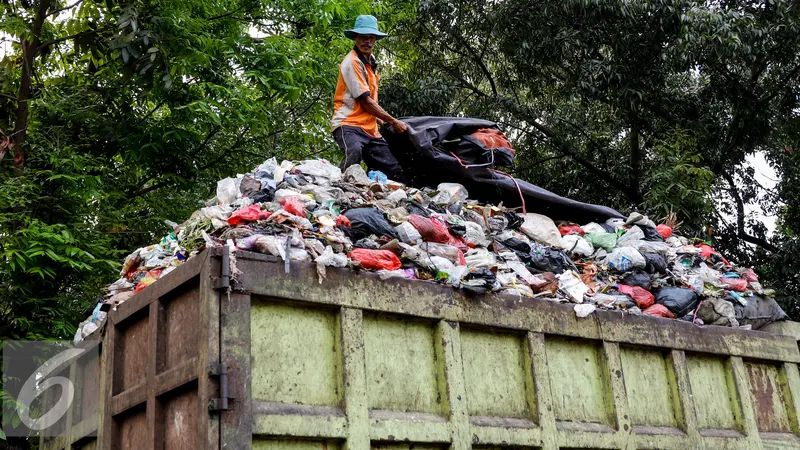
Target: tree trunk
{"points": [[29, 51], [635, 162]]}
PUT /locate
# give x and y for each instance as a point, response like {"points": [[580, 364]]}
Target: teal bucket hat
{"points": [[365, 25]]}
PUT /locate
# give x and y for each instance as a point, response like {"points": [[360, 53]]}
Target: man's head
{"points": [[365, 33], [365, 43]]}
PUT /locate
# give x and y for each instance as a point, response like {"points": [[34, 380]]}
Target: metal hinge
{"points": [[219, 370], [223, 283]]}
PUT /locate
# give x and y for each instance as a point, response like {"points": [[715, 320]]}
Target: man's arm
{"points": [[372, 107]]}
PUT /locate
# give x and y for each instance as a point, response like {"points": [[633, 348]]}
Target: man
{"points": [[356, 112]]}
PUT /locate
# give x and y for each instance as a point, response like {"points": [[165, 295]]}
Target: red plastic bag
{"points": [[571, 229], [641, 297], [263, 215], [735, 284], [375, 259], [343, 220], [149, 278], [664, 230], [706, 251], [247, 214], [293, 206], [431, 230], [659, 310], [751, 276]]}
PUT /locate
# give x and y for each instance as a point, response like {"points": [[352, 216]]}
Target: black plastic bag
{"points": [[458, 229], [366, 243], [680, 301], [650, 234], [415, 207], [520, 248], [608, 228], [514, 220], [486, 276], [550, 260], [655, 263], [638, 278], [367, 221], [264, 195], [759, 312]]}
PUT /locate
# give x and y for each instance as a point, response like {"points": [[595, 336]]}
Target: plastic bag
{"points": [[329, 258], [149, 278], [479, 281], [407, 233], [542, 229], [664, 230], [227, 190], [632, 236], [375, 259], [319, 168], [293, 205], [450, 193], [636, 218], [247, 214], [641, 297], [546, 259], [651, 234], [577, 245], [430, 229], [593, 228], [717, 311], [582, 311], [649, 247], [759, 312], [479, 257], [449, 252], [571, 229], [734, 284], [624, 259], [639, 279], [658, 311], [606, 241], [377, 176], [367, 221], [679, 300], [249, 186], [266, 173], [655, 263], [474, 235], [397, 196], [571, 283], [522, 272]]}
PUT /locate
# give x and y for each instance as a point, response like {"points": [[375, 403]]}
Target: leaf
{"points": [[125, 55]]}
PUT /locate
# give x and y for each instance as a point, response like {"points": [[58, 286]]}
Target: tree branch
{"points": [[740, 228], [57, 11], [46, 44]]}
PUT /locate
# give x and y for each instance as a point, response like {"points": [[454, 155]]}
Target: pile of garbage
{"points": [[309, 211]]}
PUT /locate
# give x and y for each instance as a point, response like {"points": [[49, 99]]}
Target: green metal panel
{"points": [[401, 365], [651, 388], [297, 359], [715, 397], [578, 381], [496, 367], [769, 390], [287, 444]]}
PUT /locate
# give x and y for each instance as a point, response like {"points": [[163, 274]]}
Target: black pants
{"points": [[357, 145]]}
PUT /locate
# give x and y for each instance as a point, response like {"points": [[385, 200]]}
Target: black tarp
{"points": [[426, 155]]}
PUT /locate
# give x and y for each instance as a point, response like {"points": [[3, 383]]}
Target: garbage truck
{"points": [[239, 350]]}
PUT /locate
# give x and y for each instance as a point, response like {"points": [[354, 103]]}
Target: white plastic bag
{"points": [[450, 193], [571, 283], [584, 310], [329, 258], [397, 196], [522, 272], [227, 190], [475, 234], [319, 168], [630, 237], [624, 259], [593, 228], [448, 252], [480, 257], [542, 229], [407, 233], [577, 245]]}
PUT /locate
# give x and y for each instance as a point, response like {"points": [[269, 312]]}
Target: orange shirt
{"points": [[355, 80]]}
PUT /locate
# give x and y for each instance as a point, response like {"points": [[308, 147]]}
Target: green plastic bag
{"points": [[606, 241]]}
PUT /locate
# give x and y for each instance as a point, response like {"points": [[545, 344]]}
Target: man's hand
{"points": [[380, 122], [399, 126]]}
